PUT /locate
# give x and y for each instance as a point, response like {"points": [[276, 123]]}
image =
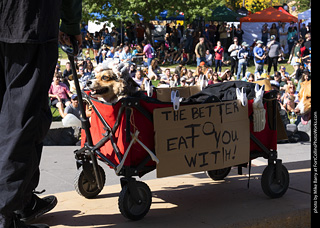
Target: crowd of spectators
{"points": [[209, 49]]}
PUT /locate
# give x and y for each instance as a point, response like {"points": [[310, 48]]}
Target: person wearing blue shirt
{"points": [[243, 56], [259, 57], [125, 55], [110, 53]]}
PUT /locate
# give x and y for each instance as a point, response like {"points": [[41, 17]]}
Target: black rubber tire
{"points": [[218, 174], [131, 209], [270, 186], [86, 188]]}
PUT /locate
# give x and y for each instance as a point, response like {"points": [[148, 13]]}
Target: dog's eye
{"points": [[105, 78]]}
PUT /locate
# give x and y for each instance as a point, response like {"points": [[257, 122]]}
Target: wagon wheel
{"points": [[85, 187], [131, 209], [270, 186], [218, 174]]}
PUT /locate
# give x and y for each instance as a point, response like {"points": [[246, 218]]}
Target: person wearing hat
{"points": [[202, 63], [259, 57], [274, 53], [243, 56], [72, 108], [183, 81]]}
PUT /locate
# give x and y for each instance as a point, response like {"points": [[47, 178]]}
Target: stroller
{"points": [[122, 136]]}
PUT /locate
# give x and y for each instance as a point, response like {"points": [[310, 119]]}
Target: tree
{"points": [[131, 10], [303, 5], [252, 5]]}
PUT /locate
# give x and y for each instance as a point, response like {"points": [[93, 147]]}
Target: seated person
{"points": [[179, 68], [125, 55], [154, 70], [73, 108], [183, 81], [290, 105], [132, 70], [110, 53], [138, 77], [190, 78], [174, 80], [59, 93], [66, 73], [165, 79]]}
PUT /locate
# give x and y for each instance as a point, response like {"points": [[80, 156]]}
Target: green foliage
{"points": [[128, 10], [303, 5]]}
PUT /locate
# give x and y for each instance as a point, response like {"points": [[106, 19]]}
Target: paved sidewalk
{"points": [[195, 201]]}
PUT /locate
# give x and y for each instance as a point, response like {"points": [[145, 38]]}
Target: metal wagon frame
{"points": [[135, 196]]}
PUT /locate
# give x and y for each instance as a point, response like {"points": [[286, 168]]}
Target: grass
{"points": [[251, 68]]}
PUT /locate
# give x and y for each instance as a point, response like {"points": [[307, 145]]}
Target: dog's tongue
{"points": [[305, 118]]}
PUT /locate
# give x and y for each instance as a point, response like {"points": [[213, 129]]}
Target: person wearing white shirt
{"points": [[208, 58], [234, 49], [283, 32]]}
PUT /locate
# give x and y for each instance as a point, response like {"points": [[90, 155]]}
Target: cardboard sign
{"points": [[201, 137], [164, 94]]}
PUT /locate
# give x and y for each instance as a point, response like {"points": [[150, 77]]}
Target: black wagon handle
{"points": [[72, 50]]}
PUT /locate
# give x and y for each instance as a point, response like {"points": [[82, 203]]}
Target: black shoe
{"points": [[16, 223], [36, 208]]}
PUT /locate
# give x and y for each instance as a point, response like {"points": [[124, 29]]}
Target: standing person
{"points": [[140, 32], [307, 44], [96, 44], [265, 34], [238, 33], [259, 57], [219, 52], [303, 31], [223, 31], [200, 51], [295, 56], [147, 51], [234, 49], [28, 55], [292, 36], [274, 52], [283, 34], [273, 31], [243, 56]]}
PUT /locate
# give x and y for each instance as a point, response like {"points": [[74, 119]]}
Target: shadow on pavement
{"points": [[196, 200]]}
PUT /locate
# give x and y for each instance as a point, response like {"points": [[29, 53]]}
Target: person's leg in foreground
{"points": [[28, 55]]}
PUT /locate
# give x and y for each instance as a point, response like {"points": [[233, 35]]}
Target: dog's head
{"points": [[304, 106], [106, 85]]}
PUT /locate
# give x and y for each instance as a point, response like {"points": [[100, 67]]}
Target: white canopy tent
{"points": [[305, 17]]}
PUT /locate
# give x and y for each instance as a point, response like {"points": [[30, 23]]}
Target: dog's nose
{"points": [[89, 83]]}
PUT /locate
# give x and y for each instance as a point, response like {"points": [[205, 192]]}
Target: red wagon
{"points": [[122, 136]]}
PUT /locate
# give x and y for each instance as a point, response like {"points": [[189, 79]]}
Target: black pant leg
{"points": [[25, 117]]}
